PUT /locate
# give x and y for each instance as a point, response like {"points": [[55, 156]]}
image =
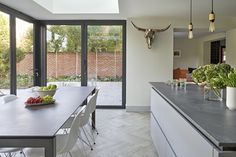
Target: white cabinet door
{"points": [[224, 153], [157, 138], [183, 138], [169, 151]]}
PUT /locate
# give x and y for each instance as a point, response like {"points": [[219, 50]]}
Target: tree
{"points": [[106, 39], [57, 38], [26, 43], [4, 45], [68, 38], [73, 36]]}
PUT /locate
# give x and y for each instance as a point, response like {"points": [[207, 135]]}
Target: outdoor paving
{"points": [[110, 92]]}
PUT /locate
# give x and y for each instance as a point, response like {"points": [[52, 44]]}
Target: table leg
{"points": [[50, 150], [94, 119]]}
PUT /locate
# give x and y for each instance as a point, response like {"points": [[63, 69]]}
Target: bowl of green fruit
{"points": [[47, 90]]}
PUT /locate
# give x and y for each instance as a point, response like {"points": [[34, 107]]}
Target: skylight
{"points": [[80, 6]]}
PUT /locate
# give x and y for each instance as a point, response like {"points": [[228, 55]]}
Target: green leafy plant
{"points": [[198, 75], [230, 80], [213, 74]]}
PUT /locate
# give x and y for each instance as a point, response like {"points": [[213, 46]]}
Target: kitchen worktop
{"points": [[211, 118]]}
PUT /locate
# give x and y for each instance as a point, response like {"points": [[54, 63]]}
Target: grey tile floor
{"points": [[121, 134]]}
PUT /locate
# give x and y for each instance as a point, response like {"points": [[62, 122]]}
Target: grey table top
{"points": [[40, 121], [211, 118]]}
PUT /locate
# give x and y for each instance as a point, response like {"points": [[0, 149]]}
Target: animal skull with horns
{"points": [[150, 33]]}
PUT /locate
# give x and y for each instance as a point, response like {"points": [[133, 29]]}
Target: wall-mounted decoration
{"points": [[150, 33], [177, 53]]}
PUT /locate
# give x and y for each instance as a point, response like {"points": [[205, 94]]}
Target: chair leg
{"points": [[94, 127], [83, 149], [87, 139], [22, 152], [91, 135], [84, 141], [70, 154]]}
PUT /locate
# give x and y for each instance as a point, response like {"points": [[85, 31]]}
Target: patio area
{"points": [[110, 92]]}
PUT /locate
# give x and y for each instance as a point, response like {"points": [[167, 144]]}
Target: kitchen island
{"points": [[183, 124]]}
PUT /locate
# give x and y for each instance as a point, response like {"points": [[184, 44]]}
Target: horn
{"points": [[138, 28], [162, 30]]}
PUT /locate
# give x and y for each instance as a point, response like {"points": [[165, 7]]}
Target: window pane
{"points": [[64, 55], [24, 54], [4, 53], [105, 63]]}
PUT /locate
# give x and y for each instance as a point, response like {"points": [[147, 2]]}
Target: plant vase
{"points": [[213, 94], [231, 98]]}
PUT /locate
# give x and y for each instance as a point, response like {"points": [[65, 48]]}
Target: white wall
{"points": [[195, 52], [231, 47], [145, 65], [206, 52], [156, 64], [190, 56]]}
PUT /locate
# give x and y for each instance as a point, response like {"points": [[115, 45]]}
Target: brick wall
{"points": [[69, 64]]}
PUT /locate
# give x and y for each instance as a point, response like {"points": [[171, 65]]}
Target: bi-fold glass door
{"points": [[105, 68], [64, 55], [88, 54], [16, 54]]}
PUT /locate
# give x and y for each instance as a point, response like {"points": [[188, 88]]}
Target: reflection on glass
{"points": [[105, 63], [24, 54], [4, 53], [64, 55]]}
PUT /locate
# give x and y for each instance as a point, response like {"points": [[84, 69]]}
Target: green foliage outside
{"points": [[78, 79], [24, 46], [63, 39], [100, 38]]}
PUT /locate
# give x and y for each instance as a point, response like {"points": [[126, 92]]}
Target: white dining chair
{"points": [[10, 152], [93, 105], [84, 120], [64, 142], [8, 98]]}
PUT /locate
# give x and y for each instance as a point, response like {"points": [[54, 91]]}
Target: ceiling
{"points": [[133, 8], [80, 6]]}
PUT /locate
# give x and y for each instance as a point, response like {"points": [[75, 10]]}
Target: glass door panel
{"points": [[24, 55], [4, 54], [64, 55], [105, 63]]}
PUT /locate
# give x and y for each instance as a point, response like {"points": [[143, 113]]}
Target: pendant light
{"points": [[190, 26], [212, 19]]}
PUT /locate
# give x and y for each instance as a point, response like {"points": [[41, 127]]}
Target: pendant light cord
{"points": [[211, 5], [190, 11]]}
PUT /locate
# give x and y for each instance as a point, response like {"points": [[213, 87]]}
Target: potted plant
{"points": [[212, 76], [230, 82]]}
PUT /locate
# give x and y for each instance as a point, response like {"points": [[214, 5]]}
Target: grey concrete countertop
{"points": [[211, 118]]}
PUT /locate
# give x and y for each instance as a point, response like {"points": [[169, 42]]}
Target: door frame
{"points": [[84, 48]]}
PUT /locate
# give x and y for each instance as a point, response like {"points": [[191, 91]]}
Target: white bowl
{"points": [[44, 93]]}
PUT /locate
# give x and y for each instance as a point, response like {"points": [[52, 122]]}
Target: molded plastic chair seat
{"points": [[64, 142], [39, 152], [8, 98], [84, 118], [9, 151]]}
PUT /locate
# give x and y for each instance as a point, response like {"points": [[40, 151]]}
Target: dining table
{"points": [[36, 126]]}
